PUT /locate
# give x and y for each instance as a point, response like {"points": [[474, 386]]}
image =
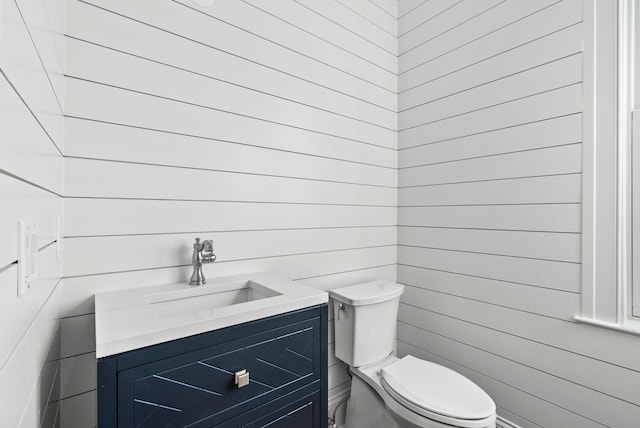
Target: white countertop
{"points": [[131, 319]]}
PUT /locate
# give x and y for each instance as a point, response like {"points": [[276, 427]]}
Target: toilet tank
{"points": [[365, 321]]}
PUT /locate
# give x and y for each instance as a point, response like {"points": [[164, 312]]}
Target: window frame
{"points": [[607, 290], [629, 164], [630, 135], [633, 286]]}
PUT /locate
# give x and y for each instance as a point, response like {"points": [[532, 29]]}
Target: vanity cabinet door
{"points": [[197, 388]]}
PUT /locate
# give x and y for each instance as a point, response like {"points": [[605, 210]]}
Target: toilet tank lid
{"points": [[367, 293]]}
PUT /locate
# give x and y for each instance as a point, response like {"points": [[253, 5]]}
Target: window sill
{"points": [[628, 327]]}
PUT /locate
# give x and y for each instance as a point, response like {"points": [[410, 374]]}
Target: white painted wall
{"points": [[491, 110], [269, 127], [31, 186]]}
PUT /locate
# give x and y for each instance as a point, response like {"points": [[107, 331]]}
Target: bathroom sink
{"points": [[203, 301], [139, 317]]}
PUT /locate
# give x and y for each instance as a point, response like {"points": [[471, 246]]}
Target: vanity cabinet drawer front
{"points": [[290, 411], [198, 388]]}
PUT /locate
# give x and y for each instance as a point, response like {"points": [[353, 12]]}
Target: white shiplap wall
{"points": [[269, 127], [31, 187], [490, 161]]}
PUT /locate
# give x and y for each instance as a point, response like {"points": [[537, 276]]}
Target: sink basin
{"points": [[139, 317], [202, 302]]}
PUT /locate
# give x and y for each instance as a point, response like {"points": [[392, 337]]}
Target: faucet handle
{"points": [[208, 256]]}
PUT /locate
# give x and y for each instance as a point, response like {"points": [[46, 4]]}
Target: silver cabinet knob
{"points": [[242, 378]]}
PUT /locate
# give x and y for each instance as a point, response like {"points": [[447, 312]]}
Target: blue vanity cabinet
{"points": [[191, 381]]}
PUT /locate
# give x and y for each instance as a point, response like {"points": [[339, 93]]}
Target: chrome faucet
{"points": [[202, 253]]}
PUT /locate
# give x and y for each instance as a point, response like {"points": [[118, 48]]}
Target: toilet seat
{"points": [[436, 392]]}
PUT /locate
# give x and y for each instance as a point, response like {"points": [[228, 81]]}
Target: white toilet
{"points": [[390, 392]]}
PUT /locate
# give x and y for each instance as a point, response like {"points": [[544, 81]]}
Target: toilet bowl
{"points": [[390, 392]]}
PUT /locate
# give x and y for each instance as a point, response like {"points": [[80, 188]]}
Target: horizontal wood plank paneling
{"points": [[438, 24], [140, 181], [552, 47], [423, 15], [538, 273], [537, 300], [560, 15], [572, 337], [98, 140], [21, 64], [333, 14], [548, 133], [531, 163], [546, 105], [236, 38], [407, 6], [133, 73], [70, 383], [561, 218], [546, 246], [338, 376], [56, 17], [565, 188], [32, 94], [555, 74], [121, 253], [91, 217], [382, 63], [388, 6], [26, 150], [372, 13], [20, 312], [22, 370], [79, 411], [44, 32], [146, 111], [258, 20], [44, 401], [155, 44], [472, 30], [78, 334]]}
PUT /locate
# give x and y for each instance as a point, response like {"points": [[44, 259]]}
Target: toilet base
{"points": [[365, 409]]}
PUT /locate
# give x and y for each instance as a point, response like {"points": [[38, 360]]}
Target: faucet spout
{"points": [[202, 253]]}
